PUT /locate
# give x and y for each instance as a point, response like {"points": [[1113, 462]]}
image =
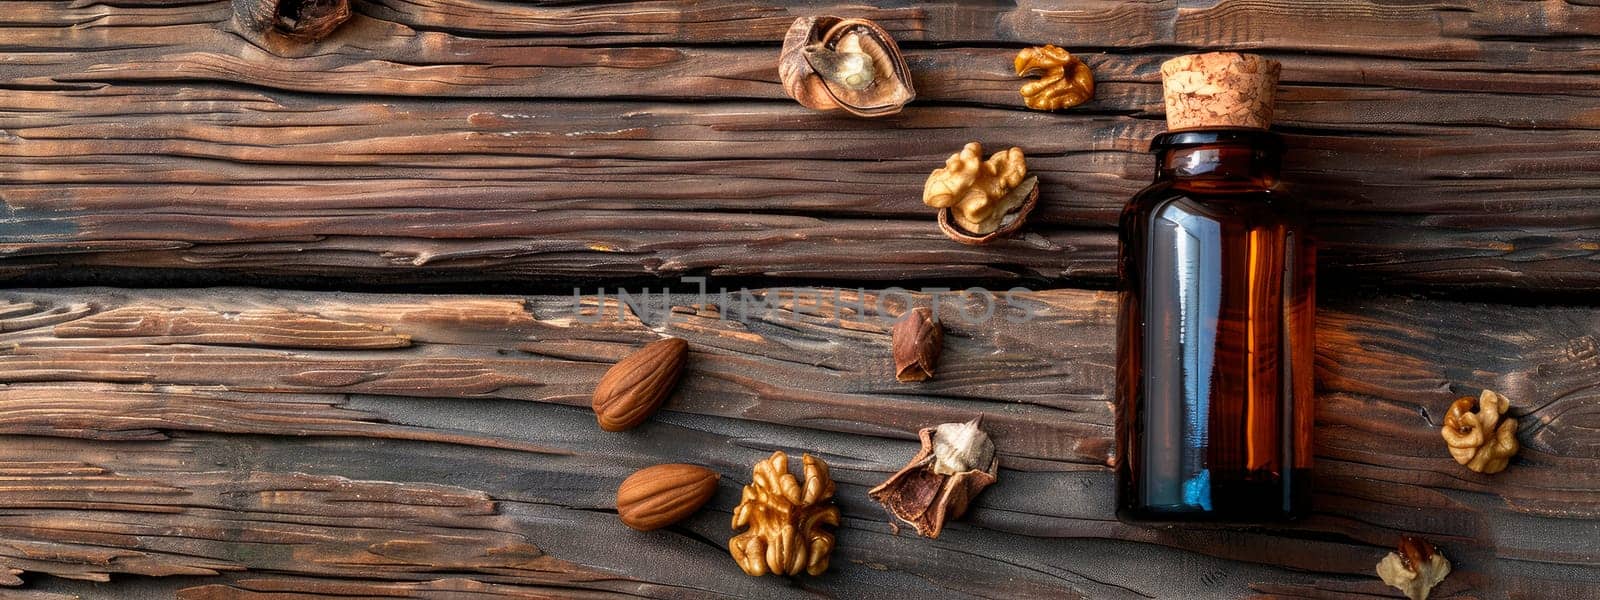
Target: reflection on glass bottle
{"points": [[1215, 343]]}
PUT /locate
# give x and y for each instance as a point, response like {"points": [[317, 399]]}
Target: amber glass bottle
{"points": [[1215, 347]]}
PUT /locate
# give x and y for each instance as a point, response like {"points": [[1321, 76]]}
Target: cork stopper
{"points": [[1219, 89]]}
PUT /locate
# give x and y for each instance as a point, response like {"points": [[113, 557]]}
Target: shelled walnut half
{"points": [[785, 519], [1064, 80], [956, 462], [831, 63], [1485, 440], [981, 200]]}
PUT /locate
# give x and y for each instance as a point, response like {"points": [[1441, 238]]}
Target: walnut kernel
{"points": [[1484, 441], [979, 194], [1415, 568], [785, 519], [1066, 82]]}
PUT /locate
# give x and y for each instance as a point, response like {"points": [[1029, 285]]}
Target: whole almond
{"points": [[917, 339], [636, 386], [655, 497]]}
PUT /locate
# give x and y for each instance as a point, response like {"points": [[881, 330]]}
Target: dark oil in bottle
{"points": [[1215, 347]]}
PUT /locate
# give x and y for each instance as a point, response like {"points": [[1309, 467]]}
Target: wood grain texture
{"points": [[466, 461], [1446, 145], [255, 444]]}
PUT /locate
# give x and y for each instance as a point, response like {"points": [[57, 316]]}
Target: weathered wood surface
{"points": [[249, 441], [1448, 144], [258, 444]]}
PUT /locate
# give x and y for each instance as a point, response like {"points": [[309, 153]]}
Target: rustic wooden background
{"points": [[321, 430]]}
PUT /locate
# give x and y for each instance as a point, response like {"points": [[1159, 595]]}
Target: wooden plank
{"points": [[164, 141], [243, 443], [475, 190]]}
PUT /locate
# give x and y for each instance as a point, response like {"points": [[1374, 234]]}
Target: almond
{"points": [[636, 386], [659, 496]]}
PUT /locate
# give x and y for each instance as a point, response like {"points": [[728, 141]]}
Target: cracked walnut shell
{"points": [[1065, 81], [956, 462], [830, 63], [1414, 569], [785, 519], [1484, 441], [979, 199]]}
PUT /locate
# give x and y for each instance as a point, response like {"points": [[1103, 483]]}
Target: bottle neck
{"points": [[1249, 157]]}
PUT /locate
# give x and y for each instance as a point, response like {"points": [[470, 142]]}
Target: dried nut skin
{"points": [[1414, 569], [829, 63], [1485, 440], [956, 462], [1065, 81], [785, 519], [636, 386], [978, 195], [658, 496], [918, 339]]}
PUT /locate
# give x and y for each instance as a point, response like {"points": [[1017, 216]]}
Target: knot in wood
{"points": [[301, 20]]}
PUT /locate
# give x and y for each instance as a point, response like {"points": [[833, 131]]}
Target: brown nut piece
{"points": [[976, 196], [956, 462], [917, 341], [636, 386], [1065, 81], [1415, 568], [830, 63], [1484, 441], [785, 519], [655, 497], [303, 20]]}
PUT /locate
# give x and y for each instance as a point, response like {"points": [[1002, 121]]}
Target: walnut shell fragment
{"points": [[1415, 568], [956, 462], [829, 63], [918, 338], [981, 200], [1065, 81], [785, 519], [1484, 441]]}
